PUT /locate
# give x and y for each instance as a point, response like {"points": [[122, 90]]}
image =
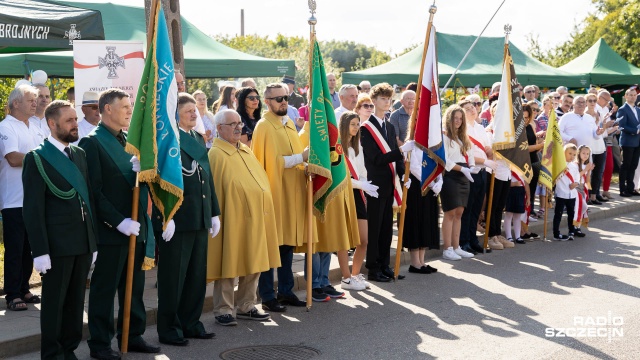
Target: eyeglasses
{"points": [[557, 97], [477, 103], [279, 99], [529, 92], [254, 98], [235, 124], [368, 106], [536, 110], [92, 107], [181, 82], [591, 101]]}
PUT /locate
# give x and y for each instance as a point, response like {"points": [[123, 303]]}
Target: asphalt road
{"points": [[511, 304]]}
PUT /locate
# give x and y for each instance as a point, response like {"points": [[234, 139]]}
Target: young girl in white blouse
{"points": [[456, 180]]}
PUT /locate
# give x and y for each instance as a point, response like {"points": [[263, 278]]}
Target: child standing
{"points": [[584, 167], [566, 194], [517, 200]]}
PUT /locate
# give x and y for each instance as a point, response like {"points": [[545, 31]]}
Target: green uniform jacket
{"points": [[112, 191], [200, 203], [55, 226]]}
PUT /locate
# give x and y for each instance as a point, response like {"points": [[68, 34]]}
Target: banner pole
{"points": [[126, 313], [412, 133], [487, 216], [312, 32]]}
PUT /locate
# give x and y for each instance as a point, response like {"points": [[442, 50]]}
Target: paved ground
{"points": [[497, 306]]}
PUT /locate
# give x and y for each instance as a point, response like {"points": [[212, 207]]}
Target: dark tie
{"points": [[69, 154], [384, 129], [121, 138]]}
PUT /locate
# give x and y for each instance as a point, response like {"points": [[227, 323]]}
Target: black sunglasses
{"points": [[279, 98], [368, 106], [254, 98]]}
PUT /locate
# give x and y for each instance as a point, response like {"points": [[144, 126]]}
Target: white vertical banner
{"points": [[99, 65]]}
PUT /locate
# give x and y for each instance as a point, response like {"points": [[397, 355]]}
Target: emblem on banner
{"points": [[72, 34], [111, 61]]}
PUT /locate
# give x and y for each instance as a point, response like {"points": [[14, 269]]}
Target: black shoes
{"points": [[379, 277], [177, 342], [478, 248], [274, 306], [203, 336], [625, 194], [469, 249], [291, 300], [389, 273], [579, 233], [520, 241], [106, 354], [601, 199], [595, 202], [420, 270], [635, 193], [143, 347]]}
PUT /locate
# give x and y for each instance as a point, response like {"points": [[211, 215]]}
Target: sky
{"points": [[390, 26]]}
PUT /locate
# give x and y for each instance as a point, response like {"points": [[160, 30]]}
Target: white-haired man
{"points": [[348, 99], [365, 86]]}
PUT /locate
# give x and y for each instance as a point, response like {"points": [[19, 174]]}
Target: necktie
{"points": [[121, 138], [67, 150], [384, 129]]}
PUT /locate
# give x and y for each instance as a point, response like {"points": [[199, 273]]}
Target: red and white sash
{"points": [[354, 175], [580, 216], [384, 147]]}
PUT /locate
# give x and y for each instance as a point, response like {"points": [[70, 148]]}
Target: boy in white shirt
{"points": [[566, 193]]}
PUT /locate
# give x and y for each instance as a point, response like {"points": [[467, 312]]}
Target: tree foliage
{"points": [[616, 21]]}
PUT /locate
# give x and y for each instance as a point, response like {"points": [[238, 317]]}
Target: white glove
{"points": [[215, 226], [171, 229], [408, 183], [95, 256], [408, 146], [369, 188], [135, 163], [436, 187], [491, 164], [129, 227], [466, 172], [42, 263]]}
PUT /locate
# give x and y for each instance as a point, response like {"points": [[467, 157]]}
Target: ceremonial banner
{"points": [[553, 160], [325, 151], [428, 135], [509, 134], [101, 65], [153, 132]]}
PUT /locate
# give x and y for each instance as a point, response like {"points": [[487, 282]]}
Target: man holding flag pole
{"points": [[425, 126]]}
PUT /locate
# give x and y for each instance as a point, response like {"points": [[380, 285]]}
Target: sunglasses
{"points": [[591, 101], [557, 97], [368, 106], [536, 110], [530, 92], [279, 99], [477, 103], [255, 98]]}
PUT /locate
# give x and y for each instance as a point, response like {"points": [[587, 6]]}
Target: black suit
{"points": [[63, 229], [380, 209]]}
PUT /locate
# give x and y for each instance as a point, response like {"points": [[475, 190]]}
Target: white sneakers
{"points": [[455, 254], [352, 283], [364, 281]]}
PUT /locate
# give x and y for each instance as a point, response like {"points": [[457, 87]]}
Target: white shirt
{"points": [[41, 127], [503, 171], [15, 136], [339, 111], [358, 165], [60, 146], [454, 155], [599, 147], [415, 164], [84, 128], [562, 185], [582, 128], [478, 133]]}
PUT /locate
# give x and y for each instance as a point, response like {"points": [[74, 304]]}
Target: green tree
{"points": [[616, 21]]}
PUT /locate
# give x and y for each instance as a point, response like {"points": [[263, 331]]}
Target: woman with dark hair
{"points": [[226, 101], [249, 108]]}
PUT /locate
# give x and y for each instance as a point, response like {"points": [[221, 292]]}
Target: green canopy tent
{"points": [[204, 57], [483, 65], [602, 65], [29, 25]]}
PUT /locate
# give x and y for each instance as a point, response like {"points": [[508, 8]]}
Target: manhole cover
{"points": [[275, 352]]}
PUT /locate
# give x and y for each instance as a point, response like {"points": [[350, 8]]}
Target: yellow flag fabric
{"points": [[553, 160]]}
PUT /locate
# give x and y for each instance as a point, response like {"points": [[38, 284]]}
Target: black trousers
{"points": [[561, 204], [534, 181], [380, 226], [598, 171], [18, 263], [471, 213], [63, 290], [630, 156], [500, 192]]}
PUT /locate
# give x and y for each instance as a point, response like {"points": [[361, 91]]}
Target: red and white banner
{"points": [[101, 65]]}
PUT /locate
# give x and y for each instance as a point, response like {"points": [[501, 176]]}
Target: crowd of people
{"points": [[66, 199]]}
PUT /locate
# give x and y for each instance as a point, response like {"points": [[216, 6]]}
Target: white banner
{"points": [[101, 65]]}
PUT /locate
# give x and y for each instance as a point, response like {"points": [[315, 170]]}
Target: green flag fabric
{"points": [[326, 158]]}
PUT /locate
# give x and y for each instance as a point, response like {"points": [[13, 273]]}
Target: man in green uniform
{"points": [[59, 221], [112, 180], [182, 266]]}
